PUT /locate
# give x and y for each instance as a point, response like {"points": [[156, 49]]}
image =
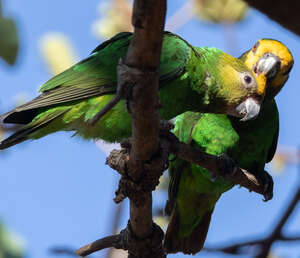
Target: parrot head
{"points": [[271, 61], [243, 85]]}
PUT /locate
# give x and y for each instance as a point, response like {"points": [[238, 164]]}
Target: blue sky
{"points": [[58, 191]]}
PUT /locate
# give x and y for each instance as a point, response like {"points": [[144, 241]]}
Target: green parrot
{"points": [[252, 144], [190, 79]]}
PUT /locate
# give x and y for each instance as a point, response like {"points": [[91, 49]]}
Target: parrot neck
{"points": [[195, 90], [203, 73]]}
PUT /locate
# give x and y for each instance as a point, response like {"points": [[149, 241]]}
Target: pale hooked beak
{"points": [[269, 64], [248, 109]]}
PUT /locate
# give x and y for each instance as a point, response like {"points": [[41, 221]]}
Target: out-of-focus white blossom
{"points": [[57, 52], [285, 156], [221, 11], [115, 16]]}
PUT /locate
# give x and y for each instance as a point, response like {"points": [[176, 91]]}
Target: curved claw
{"points": [[268, 186]]}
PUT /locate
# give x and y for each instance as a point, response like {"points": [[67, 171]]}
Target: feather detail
{"points": [[23, 134], [191, 244]]}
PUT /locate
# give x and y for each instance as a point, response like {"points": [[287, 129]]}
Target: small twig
{"points": [[286, 14], [127, 240], [105, 109], [100, 244], [277, 231], [290, 208], [124, 89], [61, 250], [234, 249], [265, 244], [290, 238]]}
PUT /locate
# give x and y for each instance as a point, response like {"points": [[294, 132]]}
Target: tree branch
{"points": [[217, 166], [286, 13], [140, 69], [143, 59], [126, 240], [100, 244], [265, 244], [290, 238]]}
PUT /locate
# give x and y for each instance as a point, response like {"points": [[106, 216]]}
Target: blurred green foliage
{"points": [[9, 244], [9, 42]]}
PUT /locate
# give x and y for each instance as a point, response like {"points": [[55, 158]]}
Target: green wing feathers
{"points": [[82, 90], [58, 96]]}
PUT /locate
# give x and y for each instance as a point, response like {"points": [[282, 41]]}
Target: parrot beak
{"points": [[268, 64], [248, 109]]}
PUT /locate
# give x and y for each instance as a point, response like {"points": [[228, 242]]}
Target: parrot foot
{"points": [[165, 128], [266, 180], [226, 165], [165, 125]]}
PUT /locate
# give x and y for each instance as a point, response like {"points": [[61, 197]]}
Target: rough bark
{"points": [[285, 13]]}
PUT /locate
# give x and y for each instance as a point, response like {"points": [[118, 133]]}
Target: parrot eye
{"points": [[247, 79]]}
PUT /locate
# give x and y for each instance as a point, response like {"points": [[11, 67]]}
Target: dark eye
{"points": [[247, 79]]}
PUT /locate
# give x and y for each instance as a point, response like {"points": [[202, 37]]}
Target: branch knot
{"points": [[149, 246], [137, 178]]}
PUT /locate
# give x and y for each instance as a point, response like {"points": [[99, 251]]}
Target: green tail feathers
{"points": [[191, 244], [28, 130]]}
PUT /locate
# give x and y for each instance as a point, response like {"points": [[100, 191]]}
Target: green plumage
{"points": [[251, 144], [190, 79]]}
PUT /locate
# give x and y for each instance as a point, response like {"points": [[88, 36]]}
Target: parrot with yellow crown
{"points": [[251, 144]]}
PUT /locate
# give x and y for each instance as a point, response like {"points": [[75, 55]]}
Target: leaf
{"points": [[11, 245], [9, 43]]}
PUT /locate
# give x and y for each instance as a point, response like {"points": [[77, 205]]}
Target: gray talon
{"points": [[267, 180]]}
